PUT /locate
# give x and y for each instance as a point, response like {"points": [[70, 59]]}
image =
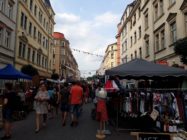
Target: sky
{"points": [[90, 26]]}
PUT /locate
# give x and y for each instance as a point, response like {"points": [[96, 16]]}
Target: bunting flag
{"points": [[88, 53]]}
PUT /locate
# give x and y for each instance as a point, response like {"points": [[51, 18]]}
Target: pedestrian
{"points": [[41, 105], [102, 115], [51, 96], [8, 109], [64, 102], [76, 99]]}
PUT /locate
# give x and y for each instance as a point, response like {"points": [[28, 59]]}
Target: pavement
{"points": [[24, 130]]}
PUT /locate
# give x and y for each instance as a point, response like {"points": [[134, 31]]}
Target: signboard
{"points": [[162, 62], [154, 137]]}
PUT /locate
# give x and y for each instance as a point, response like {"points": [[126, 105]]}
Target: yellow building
{"points": [[110, 59], [34, 40]]}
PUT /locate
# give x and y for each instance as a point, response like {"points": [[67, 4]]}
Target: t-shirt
{"points": [[76, 93], [64, 96], [13, 100]]}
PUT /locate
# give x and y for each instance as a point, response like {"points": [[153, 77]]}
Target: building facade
{"points": [[8, 13], [149, 28], [110, 59], [64, 62], [34, 39]]}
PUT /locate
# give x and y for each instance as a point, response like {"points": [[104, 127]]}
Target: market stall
{"points": [[159, 109], [10, 73]]}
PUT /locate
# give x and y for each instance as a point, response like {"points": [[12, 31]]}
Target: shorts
{"points": [[7, 115], [64, 107], [75, 109]]}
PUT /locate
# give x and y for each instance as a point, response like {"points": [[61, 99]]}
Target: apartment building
{"points": [[8, 13], [64, 62], [34, 40], [149, 28], [110, 59]]}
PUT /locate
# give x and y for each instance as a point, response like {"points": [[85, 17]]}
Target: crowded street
{"points": [[25, 129]]}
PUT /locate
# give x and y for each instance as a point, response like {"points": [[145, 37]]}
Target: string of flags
{"points": [[88, 53]]}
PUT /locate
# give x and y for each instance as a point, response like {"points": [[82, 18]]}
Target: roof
{"points": [[48, 3], [139, 68], [58, 35]]}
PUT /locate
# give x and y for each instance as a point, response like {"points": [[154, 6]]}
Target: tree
{"points": [[181, 49], [55, 76], [29, 70]]}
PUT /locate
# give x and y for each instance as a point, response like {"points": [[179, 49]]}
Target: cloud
{"points": [[91, 35]]}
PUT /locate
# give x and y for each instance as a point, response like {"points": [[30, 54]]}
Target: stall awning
{"points": [[138, 68], [9, 72]]}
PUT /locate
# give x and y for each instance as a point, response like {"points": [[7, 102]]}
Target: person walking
{"points": [[76, 99], [64, 102], [41, 105], [8, 109]]}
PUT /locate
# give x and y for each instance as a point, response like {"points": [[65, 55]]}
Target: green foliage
{"points": [[29, 70], [181, 49]]}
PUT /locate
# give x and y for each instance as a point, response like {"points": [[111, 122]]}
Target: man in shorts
{"points": [[76, 99]]}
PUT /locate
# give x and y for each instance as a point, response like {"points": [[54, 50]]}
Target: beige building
{"points": [[34, 40], [64, 62], [149, 28], [110, 59], [8, 15]]}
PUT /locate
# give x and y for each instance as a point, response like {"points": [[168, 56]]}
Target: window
{"points": [[30, 28], [40, 15], [23, 21], [10, 10], [46, 43], [173, 31], [171, 2], [131, 24], [43, 41], [28, 54], [34, 34], [140, 32], [33, 56], [146, 21], [131, 40], [161, 7], [112, 48], [147, 47], [140, 52], [44, 23], [112, 55], [22, 47], [31, 4], [156, 42], [156, 11], [135, 54], [1, 36], [38, 59], [139, 12], [162, 39], [35, 10], [43, 61], [135, 37], [39, 37], [7, 38], [2, 6]]}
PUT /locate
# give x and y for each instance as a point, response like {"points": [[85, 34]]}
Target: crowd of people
{"points": [[49, 98]]}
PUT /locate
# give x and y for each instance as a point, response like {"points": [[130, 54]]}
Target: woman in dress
{"points": [[41, 105]]}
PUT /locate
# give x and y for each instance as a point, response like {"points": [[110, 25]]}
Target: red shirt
{"points": [[76, 95]]}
